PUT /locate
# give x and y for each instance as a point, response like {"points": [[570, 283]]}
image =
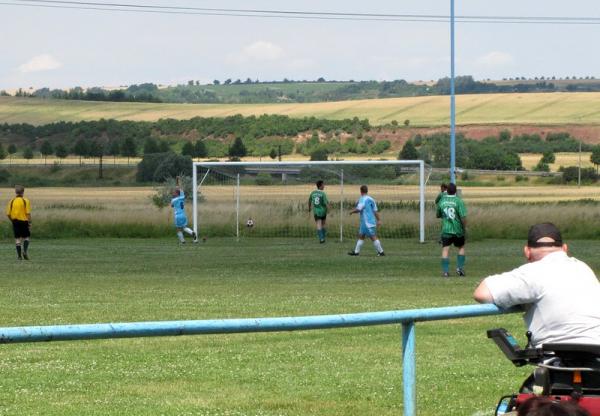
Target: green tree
{"points": [[12, 149], [238, 149], [81, 149], [61, 151], [595, 157], [2, 152], [408, 152], [114, 148], [46, 149], [129, 148], [28, 153], [319, 154], [200, 149], [187, 149], [151, 146], [548, 157], [97, 149], [163, 146], [273, 154]]}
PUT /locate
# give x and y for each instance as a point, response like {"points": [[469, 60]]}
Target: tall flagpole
{"points": [[452, 100]]}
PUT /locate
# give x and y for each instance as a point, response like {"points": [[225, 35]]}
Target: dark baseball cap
{"points": [[543, 230]]}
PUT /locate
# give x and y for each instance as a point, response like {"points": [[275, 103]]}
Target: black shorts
{"points": [[21, 229], [317, 218], [448, 240]]}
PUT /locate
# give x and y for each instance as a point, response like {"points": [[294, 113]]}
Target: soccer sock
{"points": [[377, 245], [319, 234], [180, 236], [359, 244], [188, 230], [460, 261], [18, 247], [25, 246], [445, 264]]}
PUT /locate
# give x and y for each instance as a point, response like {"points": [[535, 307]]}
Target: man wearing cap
{"points": [[560, 294]]}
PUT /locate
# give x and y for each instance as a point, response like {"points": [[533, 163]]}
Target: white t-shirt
{"points": [[561, 297]]}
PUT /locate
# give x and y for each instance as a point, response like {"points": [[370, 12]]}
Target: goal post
{"points": [[224, 192]]}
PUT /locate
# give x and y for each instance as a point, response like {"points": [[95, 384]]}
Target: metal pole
{"points": [[195, 197], [237, 208], [409, 369], [342, 207], [452, 100], [422, 202]]}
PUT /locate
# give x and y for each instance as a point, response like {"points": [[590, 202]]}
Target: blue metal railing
{"points": [[407, 318]]}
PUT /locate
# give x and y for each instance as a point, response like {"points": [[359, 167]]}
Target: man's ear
{"points": [[527, 252], [565, 248]]}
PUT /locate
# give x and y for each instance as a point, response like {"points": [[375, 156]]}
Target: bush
{"points": [[4, 176], [264, 178], [163, 195], [571, 174], [160, 166], [318, 155]]}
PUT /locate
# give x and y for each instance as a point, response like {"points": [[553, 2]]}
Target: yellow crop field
{"points": [[529, 160], [549, 108]]}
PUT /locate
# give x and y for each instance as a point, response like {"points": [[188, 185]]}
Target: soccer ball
{"points": [[250, 223]]}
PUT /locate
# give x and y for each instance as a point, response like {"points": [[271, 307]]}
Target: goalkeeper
{"points": [[180, 218], [318, 202]]}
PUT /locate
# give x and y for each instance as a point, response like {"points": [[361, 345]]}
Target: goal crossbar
{"points": [[420, 164]]}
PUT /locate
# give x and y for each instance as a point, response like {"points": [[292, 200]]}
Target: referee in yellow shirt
{"points": [[18, 211]]}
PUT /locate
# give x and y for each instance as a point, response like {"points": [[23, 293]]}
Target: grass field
{"points": [[502, 211], [552, 108], [335, 372]]}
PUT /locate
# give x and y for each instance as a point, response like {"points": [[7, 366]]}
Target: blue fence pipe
{"points": [[407, 318]]}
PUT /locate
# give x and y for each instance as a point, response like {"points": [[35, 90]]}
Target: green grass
{"points": [[326, 372], [531, 108]]}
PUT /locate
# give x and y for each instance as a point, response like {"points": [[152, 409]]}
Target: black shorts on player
{"points": [[317, 218], [448, 240], [21, 229]]}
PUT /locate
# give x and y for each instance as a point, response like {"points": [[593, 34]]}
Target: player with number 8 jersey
{"points": [[318, 202], [451, 209]]}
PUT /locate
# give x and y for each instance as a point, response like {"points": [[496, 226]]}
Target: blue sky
{"points": [[65, 48]]}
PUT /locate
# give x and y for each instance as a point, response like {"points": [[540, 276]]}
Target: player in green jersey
{"points": [[318, 202], [451, 209]]}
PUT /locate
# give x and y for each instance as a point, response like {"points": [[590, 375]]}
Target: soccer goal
{"points": [[270, 199]]}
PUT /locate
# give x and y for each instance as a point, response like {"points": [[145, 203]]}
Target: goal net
{"points": [[270, 199]]}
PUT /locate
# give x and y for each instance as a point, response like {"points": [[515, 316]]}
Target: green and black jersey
{"points": [[451, 209]]}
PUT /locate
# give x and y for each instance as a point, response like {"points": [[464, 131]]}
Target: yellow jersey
{"points": [[18, 208]]}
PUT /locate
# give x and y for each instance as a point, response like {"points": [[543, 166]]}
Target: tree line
{"points": [[249, 91]]}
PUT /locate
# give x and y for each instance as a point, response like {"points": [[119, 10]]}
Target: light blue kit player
{"points": [[369, 220], [178, 205]]}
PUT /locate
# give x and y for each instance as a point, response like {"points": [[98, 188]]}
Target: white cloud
{"points": [[260, 51], [495, 58], [263, 51], [39, 63]]}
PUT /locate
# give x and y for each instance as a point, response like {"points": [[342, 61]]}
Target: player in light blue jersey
{"points": [[369, 220], [180, 218]]}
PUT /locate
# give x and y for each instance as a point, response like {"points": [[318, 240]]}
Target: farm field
{"points": [[337, 372], [529, 160], [552, 108]]}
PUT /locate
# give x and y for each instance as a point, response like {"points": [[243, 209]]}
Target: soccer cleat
{"points": [[194, 238], [353, 253], [460, 272], [380, 254], [321, 241], [25, 256], [446, 274]]}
